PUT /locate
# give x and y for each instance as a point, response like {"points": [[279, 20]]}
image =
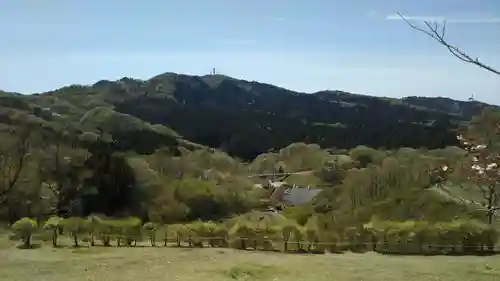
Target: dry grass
{"points": [[146, 263]]}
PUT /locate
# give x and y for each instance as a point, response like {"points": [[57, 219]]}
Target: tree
{"points": [[482, 139], [12, 161], [149, 229], [437, 32], [76, 226], [24, 228], [287, 231], [54, 224], [62, 171]]}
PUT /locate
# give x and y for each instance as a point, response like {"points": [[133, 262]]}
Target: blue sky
{"points": [[356, 45]]}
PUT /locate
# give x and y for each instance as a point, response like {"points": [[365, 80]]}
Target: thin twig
{"points": [[438, 35]]}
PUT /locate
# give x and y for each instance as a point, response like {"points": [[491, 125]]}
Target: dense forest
{"points": [[177, 149], [246, 118]]}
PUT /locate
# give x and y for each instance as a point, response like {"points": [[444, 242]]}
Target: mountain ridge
{"points": [[246, 118], [125, 78]]}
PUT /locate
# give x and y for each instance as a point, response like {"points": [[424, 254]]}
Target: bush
{"points": [[179, 231], [287, 231], [127, 230], [418, 237], [76, 226], [401, 237], [312, 234], [54, 224], [149, 229], [101, 228], [24, 229], [240, 234]]}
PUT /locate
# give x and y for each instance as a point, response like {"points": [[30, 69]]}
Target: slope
{"points": [[247, 118]]}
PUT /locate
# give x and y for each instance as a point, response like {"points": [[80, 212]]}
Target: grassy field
{"points": [[147, 263]]}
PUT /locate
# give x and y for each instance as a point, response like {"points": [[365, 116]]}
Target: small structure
{"points": [[291, 195]]}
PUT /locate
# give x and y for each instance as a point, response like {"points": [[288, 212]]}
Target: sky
{"points": [[359, 46]]}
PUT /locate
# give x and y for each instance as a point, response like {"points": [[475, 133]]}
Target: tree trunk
{"points": [[492, 200], [75, 241], [490, 215], [54, 237], [106, 240], [27, 241]]}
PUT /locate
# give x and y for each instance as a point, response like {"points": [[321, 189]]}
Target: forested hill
{"points": [[247, 118]]}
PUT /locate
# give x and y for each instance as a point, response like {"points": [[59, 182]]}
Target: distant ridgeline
{"points": [[248, 118]]}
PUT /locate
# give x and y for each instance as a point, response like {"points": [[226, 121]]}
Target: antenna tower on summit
{"points": [[213, 71]]}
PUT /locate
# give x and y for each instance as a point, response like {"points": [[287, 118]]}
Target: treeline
{"points": [[255, 123], [268, 234], [40, 177], [43, 178], [210, 185]]}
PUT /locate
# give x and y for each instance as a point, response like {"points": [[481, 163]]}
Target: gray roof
{"points": [[297, 196]]}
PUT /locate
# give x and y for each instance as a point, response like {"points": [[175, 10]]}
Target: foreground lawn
{"points": [[146, 263]]}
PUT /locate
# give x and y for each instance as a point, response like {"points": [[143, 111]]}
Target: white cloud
{"points": [[441, 18], [416, 18]]}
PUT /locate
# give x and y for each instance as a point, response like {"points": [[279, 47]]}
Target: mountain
{"points": [[244, 118]]}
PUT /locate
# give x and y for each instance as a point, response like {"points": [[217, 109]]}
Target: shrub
{"points": [[178, 231], [24, 229], [312, 234], [103, 229], [192, 233], [76, 226], [198, 231], [221, 234], [209, 229], [286, 231], [54, 224], [94, 228], [127, 230], [458, 236], [165, 230], [240, 233], [149, 229]]}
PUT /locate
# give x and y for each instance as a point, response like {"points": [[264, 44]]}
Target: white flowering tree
{"points": [[482, 141], [481, 138]]}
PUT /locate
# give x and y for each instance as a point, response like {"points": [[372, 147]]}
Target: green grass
{"points": [[147, 263]]}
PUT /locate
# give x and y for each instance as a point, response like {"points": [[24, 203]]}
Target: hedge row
{"points": [[410, 237]]}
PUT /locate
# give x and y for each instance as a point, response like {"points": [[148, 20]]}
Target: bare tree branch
{"points": [[437, 32], [12, 162]]}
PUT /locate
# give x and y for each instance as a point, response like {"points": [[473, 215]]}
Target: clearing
{"points": [[147, 263]]}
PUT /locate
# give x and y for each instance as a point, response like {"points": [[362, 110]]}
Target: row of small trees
{"points": [[410, 237]]}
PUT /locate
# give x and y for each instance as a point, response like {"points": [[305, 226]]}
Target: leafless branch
{"points": [[437, 32], [12, 162]]}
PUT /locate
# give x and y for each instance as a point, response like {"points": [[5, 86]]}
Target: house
{"points": [[291, 194]]}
